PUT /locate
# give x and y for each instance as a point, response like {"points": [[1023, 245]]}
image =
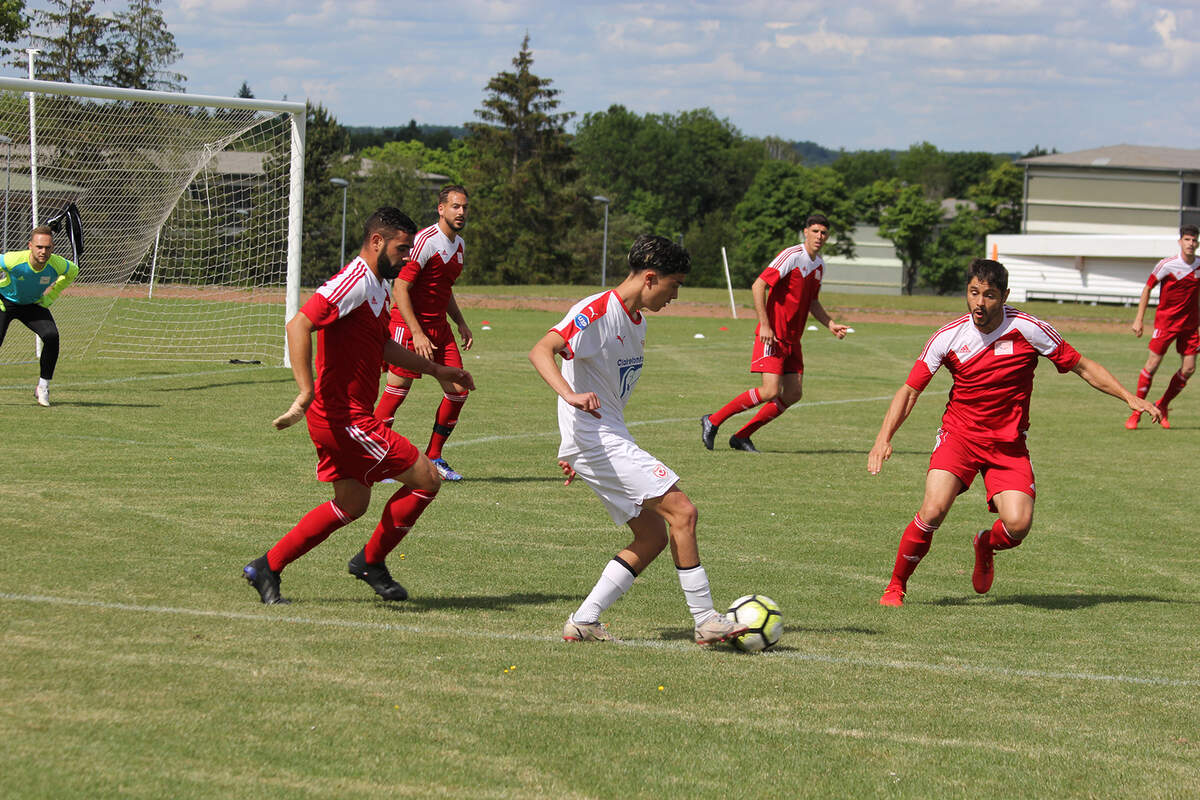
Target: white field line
{"points": [[949, 669], [138, 378], [670, 420]]}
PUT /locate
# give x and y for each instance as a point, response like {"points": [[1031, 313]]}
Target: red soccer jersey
{"points": [[795, 281], [1177, 298], [993, 372], [434, 266], [349, 312]]}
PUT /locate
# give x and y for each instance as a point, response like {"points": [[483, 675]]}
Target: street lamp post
{"points": [[6, 140], [342, 182], [604, 252]]}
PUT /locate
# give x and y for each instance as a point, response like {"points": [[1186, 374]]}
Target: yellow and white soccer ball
{"points": [[763, 616]]}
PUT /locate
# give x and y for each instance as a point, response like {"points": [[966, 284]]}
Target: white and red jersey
{"points": [[603, 350], [434, 266], [349, 312], [795, 280], [992, 372], [1179, 295]]}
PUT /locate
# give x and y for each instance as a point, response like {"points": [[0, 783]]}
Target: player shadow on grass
{"points": [[685, 634], [505, 602], [1061, 602], [221, 385], [514, 479]]}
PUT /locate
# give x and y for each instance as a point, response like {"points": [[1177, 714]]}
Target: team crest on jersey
{"points": [[1003, 347], [581, 321], [629, 370], [659, 471]]}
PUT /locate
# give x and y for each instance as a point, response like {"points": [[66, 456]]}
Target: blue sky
{"points": [[962, 74]]}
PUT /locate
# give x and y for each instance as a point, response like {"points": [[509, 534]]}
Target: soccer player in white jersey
{"points": [[601, 341], [991, 354], [1176, 319]]}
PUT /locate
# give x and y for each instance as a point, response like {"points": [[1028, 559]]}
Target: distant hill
{"points": [[814, 155], [435, 136]]}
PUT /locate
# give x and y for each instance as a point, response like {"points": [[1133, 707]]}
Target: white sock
{"points": [[694, 582], [43, 383], [614, 581]]}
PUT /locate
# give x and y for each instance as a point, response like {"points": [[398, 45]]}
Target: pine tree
{"points": [[523, 194], [72, 39], [141, 49], [245, 91]]}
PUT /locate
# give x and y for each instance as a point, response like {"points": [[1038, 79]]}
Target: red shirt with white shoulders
{"points": [[1178, 306], [349, 312], [992, 372], [434, 266], [795, 281]]}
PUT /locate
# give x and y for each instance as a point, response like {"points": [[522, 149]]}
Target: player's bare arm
{"points": [[401, 356], [759, 290], [542, 358], [400, 293], [1141, 312], [1100, 378], [464, 331], [299, 342], [901, 406], [822, 316]]}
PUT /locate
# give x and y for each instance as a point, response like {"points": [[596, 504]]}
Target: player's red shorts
{"points": [[365, 449], [1005, 465], [445, 348], [1187, 341], [776, 359]]}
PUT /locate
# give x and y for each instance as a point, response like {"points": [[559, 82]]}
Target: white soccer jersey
{"points": [[603, 350]]}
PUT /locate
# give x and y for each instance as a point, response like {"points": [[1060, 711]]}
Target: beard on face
{"points": [[387, 270]]}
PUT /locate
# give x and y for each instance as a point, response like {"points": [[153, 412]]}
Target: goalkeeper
{"points": [[30, 280]]}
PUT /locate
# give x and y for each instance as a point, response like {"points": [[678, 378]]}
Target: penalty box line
{"points": [[646, 644]]}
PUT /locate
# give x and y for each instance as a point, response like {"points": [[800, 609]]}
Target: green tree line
{"points": [[541, 180]]}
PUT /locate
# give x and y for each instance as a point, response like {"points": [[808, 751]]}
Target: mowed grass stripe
{"points": [[422, 630]]}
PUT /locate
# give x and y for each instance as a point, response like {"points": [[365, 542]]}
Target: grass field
{"points": [[136, 662]]}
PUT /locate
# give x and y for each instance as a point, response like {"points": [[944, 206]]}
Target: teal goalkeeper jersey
{"points": [[20, 283]]}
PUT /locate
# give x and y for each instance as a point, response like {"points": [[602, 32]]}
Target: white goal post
{"points": [[191, 207]]}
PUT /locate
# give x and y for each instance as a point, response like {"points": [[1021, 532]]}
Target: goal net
{"points": [[191, 213]]}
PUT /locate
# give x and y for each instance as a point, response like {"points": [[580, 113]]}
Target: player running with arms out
{"points": [[1177, 319], [354, 449], [424, 296], [30, 280], [602, 341], [991, 354], [784, 295]]}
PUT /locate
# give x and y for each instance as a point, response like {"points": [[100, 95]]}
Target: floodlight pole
{"points": [[604, 251], [342, 182]]}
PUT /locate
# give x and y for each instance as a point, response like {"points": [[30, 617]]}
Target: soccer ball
{"points": [[762, 614]]}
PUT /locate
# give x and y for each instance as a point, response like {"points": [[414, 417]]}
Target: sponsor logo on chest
{"points": [[1003, 347]]}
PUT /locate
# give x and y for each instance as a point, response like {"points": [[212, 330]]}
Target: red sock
{"points": [[309, 532], [768, 412], [1000, 538], [743, 402], [392, 397], [1173, 388], [443, 425], [1144, 381], [914, 544], [399, 515]]}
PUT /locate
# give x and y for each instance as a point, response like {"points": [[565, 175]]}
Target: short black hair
{"points": [[1189, 230], [388, 221], [659, 254], [816, 219], [444, 194], [990, 272]]}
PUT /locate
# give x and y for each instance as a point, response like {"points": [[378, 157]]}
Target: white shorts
{"points": [[623, 476]]}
